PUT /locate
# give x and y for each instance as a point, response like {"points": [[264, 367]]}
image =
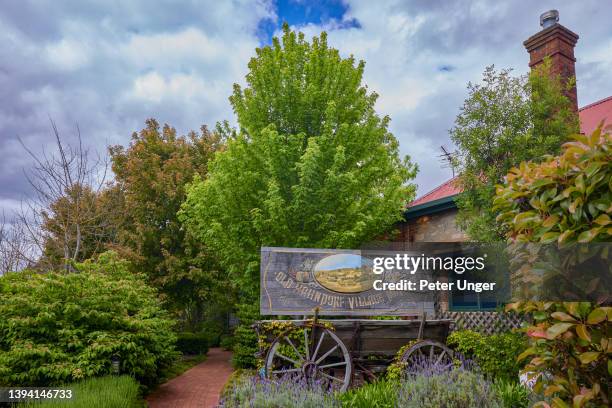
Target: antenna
{"points": [[447, 159]]}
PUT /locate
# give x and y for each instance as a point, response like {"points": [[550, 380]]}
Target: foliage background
{"points": [[505, 120]]}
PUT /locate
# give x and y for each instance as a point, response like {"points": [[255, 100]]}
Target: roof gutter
{"points": [[431, 207]]}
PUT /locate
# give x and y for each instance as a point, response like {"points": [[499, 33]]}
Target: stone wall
{"points": [[438, 227]]}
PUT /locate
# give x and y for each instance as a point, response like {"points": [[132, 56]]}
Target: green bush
{"points": [[496, 355], [102, 392], [213, 331], [59, 328], [227, 342], [192, 343], [512, 394], [245, 338], [457, 388]]}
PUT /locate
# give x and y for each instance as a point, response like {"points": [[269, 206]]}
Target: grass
{"points": [[102, 392]]}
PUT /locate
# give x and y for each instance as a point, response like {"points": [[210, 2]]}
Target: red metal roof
{"points": [[591, 115], [449, 188]]}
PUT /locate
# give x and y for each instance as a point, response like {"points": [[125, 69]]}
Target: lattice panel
{"points": [[483, 322]]}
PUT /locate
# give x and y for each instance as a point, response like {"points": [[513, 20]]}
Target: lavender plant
{"points": [[433, 385], [456, 388], [287, 392]]}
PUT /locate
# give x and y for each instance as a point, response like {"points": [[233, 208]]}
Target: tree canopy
{"points": [[311, 165], [505, 120], [152, 174]]}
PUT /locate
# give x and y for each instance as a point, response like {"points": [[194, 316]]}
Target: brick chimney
{"points": [[556, 42]]}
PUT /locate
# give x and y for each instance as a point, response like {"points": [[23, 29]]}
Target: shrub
{"points": [[213, 331], [255, 392], [566, 199], [192, 343], [496, 355], [227, 342], [512, 394], [379, 394], [458, 388], [102, 392], [245, 339], [58, 328], [435, 386]]}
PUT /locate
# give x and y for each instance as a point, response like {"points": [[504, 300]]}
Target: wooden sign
{"points": [[295, 281]]}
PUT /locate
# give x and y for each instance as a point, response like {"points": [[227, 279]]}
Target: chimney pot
{"points": [[549, 18]]}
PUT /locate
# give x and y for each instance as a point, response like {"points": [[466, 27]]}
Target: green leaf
{"points": [[596, 316], [603, 219], [564, 237], [557, 329], [593, 168], [564, 317], [530, 351], [589, 356], [583, 333], [559, 403], [588, 236], [550, 221]]}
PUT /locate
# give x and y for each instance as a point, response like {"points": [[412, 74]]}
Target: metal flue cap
{"points": [[549, 18]]}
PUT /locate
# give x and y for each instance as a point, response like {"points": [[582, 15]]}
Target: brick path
{"points": [[199, 386]]}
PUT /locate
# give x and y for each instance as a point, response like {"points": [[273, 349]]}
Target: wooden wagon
{"points": [[342, 351]]}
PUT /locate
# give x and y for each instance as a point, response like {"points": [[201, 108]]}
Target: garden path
{"points": [[199, 386]]}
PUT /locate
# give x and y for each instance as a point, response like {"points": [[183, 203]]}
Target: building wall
{"points": [[438, 227]]}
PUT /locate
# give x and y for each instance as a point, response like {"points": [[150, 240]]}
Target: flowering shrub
{"points": [[457, 385], [58, 328], [287, 392], [458, 388]]}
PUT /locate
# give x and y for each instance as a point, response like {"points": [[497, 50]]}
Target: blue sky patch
{"points": [[302, 12]]}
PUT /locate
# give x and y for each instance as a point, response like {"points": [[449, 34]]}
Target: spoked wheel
{"points": [[313, 353], [427, 355]]}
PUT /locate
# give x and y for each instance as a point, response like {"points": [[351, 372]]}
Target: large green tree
{"points": [[311, 165], [152, 174], [505, 120]]}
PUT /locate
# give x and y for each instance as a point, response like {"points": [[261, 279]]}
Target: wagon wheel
{"points": [[427, 354], [317, 355]]}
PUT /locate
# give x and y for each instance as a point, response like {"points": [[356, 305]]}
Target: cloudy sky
{"points": [[109, 65]]}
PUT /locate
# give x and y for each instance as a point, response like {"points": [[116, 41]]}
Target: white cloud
{"points": [[68, 54], [153, 87]]}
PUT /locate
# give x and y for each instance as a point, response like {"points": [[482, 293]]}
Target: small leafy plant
{"points": [[496, 355]]}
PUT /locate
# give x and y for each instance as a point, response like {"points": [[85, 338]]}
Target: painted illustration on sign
{"points": [[345, 273]]}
